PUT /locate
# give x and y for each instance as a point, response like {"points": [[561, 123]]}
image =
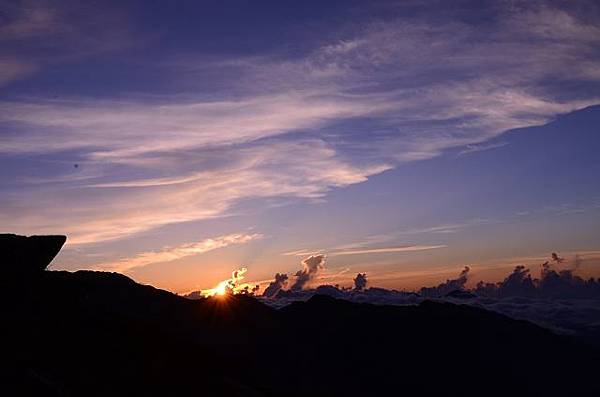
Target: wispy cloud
{"points": [[382, 250], [447, 228], [286, 169], [169, 254], [409, 248], [27, 21], [113, 130], [302, 252], [481, 147], [559, 209], [291, 127], [38, 34], [14, 69]]}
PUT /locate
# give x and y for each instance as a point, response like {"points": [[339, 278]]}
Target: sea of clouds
{"points": [[559, 299]]}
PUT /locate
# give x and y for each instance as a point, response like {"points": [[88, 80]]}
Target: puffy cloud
{"points": [[448, 286], [551, 284], [311, 267], [276, 285], [519, 282], [230, 286], [360, 281], [564, 283], [558, 300]]}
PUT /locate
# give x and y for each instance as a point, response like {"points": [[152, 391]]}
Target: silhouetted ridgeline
{"points": [[101, 334]]}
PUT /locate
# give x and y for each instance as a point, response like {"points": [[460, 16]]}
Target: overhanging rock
{"points": [[22, 255]]}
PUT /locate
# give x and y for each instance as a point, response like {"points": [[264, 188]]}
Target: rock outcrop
{"points": [[22, 255]]}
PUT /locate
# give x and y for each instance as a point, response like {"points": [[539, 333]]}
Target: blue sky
{"points": [[178, 141]]}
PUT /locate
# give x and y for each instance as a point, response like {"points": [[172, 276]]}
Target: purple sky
{"points": [[178, 141]]}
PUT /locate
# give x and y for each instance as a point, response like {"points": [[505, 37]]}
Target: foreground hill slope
{"points": [[98, 334]]}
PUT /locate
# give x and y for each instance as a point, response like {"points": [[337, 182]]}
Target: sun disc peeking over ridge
{"points": [[230, 286]]}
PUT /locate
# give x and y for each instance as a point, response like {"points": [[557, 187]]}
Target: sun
{"points": [[230, 286], [221, 289]]}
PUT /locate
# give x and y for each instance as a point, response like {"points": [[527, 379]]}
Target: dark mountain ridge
{"points": [[98, 334]]}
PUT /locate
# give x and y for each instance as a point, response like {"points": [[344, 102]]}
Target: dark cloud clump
{"points": [[445, 288], [518, 283], [551, 284], [360, 281], [276, 285]]}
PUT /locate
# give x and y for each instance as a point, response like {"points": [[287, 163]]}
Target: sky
{"points": [[178, 141]]}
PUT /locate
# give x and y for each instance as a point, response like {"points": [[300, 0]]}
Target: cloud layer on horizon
{"points": [[559, 299]]}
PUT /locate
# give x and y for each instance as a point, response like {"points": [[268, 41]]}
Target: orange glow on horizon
{"points": [[227, 287], [221, 289]]}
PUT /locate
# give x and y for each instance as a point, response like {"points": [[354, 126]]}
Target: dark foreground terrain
{"points": [[92, 334], [101, 334]]}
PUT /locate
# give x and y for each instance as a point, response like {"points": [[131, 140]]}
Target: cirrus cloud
{"points": [[385, 93], [169, 254]]}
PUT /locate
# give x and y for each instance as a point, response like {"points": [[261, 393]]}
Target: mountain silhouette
{"points": [[101, 334]]}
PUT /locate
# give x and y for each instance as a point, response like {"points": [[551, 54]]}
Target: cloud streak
{"points": [[306, 169], [170, 254], [409, 248]]}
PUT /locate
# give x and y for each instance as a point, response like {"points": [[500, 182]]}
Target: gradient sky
{"points": [[177, 141]]}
